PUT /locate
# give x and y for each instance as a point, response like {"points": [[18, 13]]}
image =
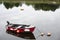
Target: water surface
{"points": [[44, 21]]}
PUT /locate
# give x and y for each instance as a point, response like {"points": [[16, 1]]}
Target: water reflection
{"points": [[11, 5], [45, 7], [25, 35], [0, 2]]}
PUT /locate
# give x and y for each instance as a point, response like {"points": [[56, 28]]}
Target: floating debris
{"points": [[49, 34], [21, 9], [42, 34]]}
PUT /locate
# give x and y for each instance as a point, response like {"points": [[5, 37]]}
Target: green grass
{"points": [[33, 1]]}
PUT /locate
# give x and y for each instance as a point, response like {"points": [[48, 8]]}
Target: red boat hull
{"points": [[20, 30]]}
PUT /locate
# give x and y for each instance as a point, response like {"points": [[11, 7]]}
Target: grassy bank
{"points": [[34, 1]]}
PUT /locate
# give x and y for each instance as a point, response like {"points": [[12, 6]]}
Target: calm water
{"points": [[45, 21]]}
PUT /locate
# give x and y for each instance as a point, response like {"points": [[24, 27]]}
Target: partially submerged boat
{"points": [[19, 28]]}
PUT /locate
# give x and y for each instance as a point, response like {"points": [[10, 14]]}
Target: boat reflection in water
{"points": [[25, 35]]}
